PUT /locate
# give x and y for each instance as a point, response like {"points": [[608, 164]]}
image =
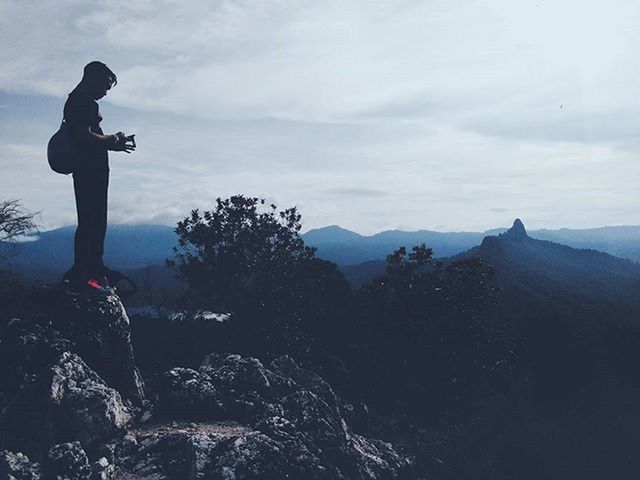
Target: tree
{"points": [[15, 221], [248, 258], [428, 326]]}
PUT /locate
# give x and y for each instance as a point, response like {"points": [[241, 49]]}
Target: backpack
{"points": [[62, 153]]}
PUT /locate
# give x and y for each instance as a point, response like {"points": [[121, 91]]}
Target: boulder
{"points": [[67, 461], [303, 455], [171, 450], [215, 451], [310, 414], [187, 393], [16, 466], [296, 413], [27, 348], [247, 390], [375, 459], [286, 367], [68, 402], [64, 376], [102, 469], [101, 333], [234, 374]]}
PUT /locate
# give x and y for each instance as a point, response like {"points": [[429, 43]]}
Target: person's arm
{"points": [[80, 114], [84, 136], [116, 142]]}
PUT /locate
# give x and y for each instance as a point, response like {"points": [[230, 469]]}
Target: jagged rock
{"points": [[376, 459], [234, 373], [292, 422], [129, 441], [68, 402], [217, 451], [248, 390], [27, 348], [286, 367], [100, 330], [16, 466], [227, 450], [67, 461], [102, 469], [296, 410], [312, 415], [186, 393], [302, 454], [252, 455], [169, 451], [357, 416]]}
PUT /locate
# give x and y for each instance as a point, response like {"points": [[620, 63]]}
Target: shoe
{"points": [[119, 282], [90, 287]]}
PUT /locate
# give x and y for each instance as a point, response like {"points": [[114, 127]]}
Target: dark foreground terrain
{"points": [[75, 406], [517, 359]]}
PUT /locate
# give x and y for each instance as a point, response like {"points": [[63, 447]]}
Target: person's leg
{"points": [[100, 206], [82, 187], [89, 189]]}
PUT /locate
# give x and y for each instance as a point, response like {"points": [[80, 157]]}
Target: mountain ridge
{"points": [[134, 246], [519, 258]]}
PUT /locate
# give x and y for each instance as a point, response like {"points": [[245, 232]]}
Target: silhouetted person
{"points": [[91, 177]]}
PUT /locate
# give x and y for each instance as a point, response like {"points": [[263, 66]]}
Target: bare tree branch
{"points": [[15, 221]]}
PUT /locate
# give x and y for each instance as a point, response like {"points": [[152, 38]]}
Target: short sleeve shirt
{"points": [[81, 111]]}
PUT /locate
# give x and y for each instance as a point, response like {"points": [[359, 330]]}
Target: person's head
{"points": [[98, 79]]}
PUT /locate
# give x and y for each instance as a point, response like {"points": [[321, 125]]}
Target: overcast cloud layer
{"points": [[445, 115]]}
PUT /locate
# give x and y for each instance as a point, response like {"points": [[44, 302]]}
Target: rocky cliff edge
{"points": [[74, 406]]}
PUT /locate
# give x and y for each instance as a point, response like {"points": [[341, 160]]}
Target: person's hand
{"points": [[121, 144]]}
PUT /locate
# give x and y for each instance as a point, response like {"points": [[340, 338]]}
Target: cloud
{"points": [[356, 192], [367, 114], [466, 64]]}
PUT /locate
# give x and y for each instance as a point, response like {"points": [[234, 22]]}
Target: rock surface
{"points": [[232, 418], [17, 466], [101, 332], [69, 401], [68, 461], [295, 426], [95, 328], [188, 394]]}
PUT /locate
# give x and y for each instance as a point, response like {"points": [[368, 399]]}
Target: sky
{"points": [[372, 115]]}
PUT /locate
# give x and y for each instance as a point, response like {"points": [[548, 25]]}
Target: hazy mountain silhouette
{"points": [[551, 268], [345, 247], [331, 234], [620, 241], [361, 257], [126, 247]]}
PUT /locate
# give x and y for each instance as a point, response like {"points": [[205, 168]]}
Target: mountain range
{"points": [[127, 247], [131, 247], [345, 247]]}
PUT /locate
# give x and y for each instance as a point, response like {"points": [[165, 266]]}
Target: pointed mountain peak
{"points": [[517, 230], [331, 233]]}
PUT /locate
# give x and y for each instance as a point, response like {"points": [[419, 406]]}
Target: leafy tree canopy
{"points": [[248, 257]]}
